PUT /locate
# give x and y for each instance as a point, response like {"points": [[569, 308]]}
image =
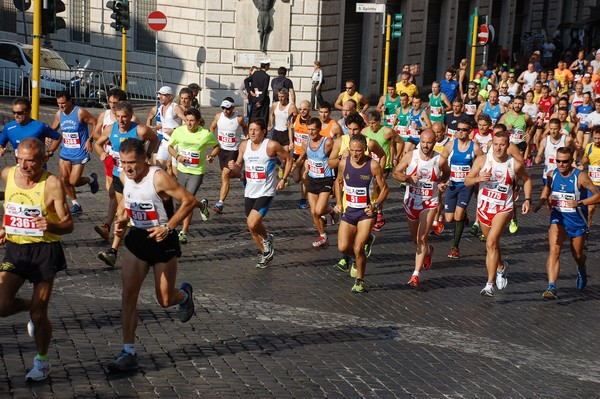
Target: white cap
{"points": [[227, 104], [265, 61], [536, 52], [165, 90], [587, 75]]}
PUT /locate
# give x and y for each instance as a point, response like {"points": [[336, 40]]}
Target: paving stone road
{"points": [[294, 329]]}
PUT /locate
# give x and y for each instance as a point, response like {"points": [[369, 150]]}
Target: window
{"points": [[80, 21], [8, 16], [144, 36]]}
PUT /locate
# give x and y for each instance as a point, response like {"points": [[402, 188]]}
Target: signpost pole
{"points": [[386, 64], [473, 44], [156, 61], [35, 70], [124, 60]]}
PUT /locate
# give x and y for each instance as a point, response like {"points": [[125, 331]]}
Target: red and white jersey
{"points": [[550, 153], [484, 140], [424, 193], [496, 195]]}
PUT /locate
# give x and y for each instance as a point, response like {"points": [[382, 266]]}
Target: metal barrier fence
{"points": [[87, 87]]}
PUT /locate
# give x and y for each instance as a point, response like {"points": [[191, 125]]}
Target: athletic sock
{"points": [[459, 226]]}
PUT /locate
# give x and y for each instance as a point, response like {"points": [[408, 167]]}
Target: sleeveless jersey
{"points": [[353, 97], [519, 126], [169, 119], [414, 123], [402, 124], [116, 138], [424, 193], [565, 189], [531, 110], [107, 121], [281, 118], [346, 145], [21, 206], [496, 195], [74, 135], [318, 161], [389, 110], [484, 140], [577, 101], [593, 154], [300, 135], [229, 132], [471, 105], [582, 112], [326, 130], [544, 110], [385, 144], [460, 163], [144, 206], [550, 153], [436, 108], [494, 113], [530, 79], [439, 146], [358, 185], [259, 169]]}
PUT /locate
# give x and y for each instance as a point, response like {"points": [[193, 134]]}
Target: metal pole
{"points": [[35, 70], [24, 26], [124, 60], [474, 44], [156, 61], [386, 64], [485, 55]]}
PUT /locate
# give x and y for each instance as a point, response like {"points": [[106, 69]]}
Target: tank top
{"points": [[144, 206], [436, 108], [593, 154], [385, 144], [116, 138], [544, 110], [582, 112], [550, 153], [414, 123], [471, 105], [423, 193], [460, 163], [259, 169], [494, 113], [439, 145], [565, 189], [21, 206], [496, 195], [389, 110], [531, 110], [169, 119], [74, 134], [484, 140], [358, 185], [300, 135], [529, 78], [577, 101], [517, 133], [402, 124], [229, 132], [281, 117], [318, 161], [107, 121], [353, 97], [326, 130]]}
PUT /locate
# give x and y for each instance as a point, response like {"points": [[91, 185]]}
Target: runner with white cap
{"points": [[171, 117]]}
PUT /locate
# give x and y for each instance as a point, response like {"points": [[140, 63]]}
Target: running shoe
{"points": [[438, 228], [488, 290], [75, 209], [40, 370], [501, 281], [109, 257], [482, 237], [182, 238], [321, 242], [302, 204], [103, 230], [123, 363], [413, 282], [581, 278], [335, 217], [474, 229], [186, 309], [353, 270], [359, 285], [427, 261], [204, 214], [94, 186], [454, 253], [341, 266], [30, 328], [218, 207], [324, 220], [266, 256], [369, 245], [514, 226], [379, 223], [550, 293]]}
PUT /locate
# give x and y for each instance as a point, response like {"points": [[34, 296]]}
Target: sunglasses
{"points": [[19, 112], [471, 88], [225, 108], [564, 161], [462, 129], [350, 88]]}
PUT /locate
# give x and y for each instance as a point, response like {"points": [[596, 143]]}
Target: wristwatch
{"points": [[169, 230]]}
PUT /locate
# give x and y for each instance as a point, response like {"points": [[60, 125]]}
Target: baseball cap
{"points": [[537, 52], [226, 104], [587, 75], [165, 90]]}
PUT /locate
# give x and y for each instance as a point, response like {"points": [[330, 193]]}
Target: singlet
{"points": [[530, 79], [451, 122], [494, 113], [300, 135], [513, 89], [402, 124], [593, 154], [577, 101], [436, 108], [592, 119], [531, 110], [318, 161], [259, 169], [353, 97], [389, 110], [326, 130], [74, 136], [116, 138], [439, 145], [484, 140], [471, 105], [582, 112], [346, 145], [414, 123], [565, 189], [21, 206], [460, 163], [424, 193], [144, 206], [544, 110], [385, 144], [550, 153], [281, 117], [107, 120], [496, 194], [519, 126], [229, 132], [169, 120], [358, 185]]}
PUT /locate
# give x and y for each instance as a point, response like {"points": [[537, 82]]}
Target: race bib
{"points": [[18, 220], [451, 132], [356, 197], [470, 109], [389, 119], [71, 140], [436, 111], [142, 214], [299, 139], [316, 169], [517, 135], [191, 159], [227, 138], [402, 131], [594, 173], [495, 196], [559, 201], [256, 172], [458, 173], [422, 190]]}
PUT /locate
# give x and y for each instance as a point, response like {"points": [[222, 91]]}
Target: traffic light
{"points": [[50, 21], [397, 26], [120, 14]]}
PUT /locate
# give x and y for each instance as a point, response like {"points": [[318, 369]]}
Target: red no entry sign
{"points": [[157, 20], [483, 35]]}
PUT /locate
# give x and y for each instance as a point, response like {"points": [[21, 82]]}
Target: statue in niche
{"points": [[265, 20]]}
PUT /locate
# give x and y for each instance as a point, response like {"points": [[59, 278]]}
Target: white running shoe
{"points": [[488, 290], [30, 328], [40, 370], [501, 280]]}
